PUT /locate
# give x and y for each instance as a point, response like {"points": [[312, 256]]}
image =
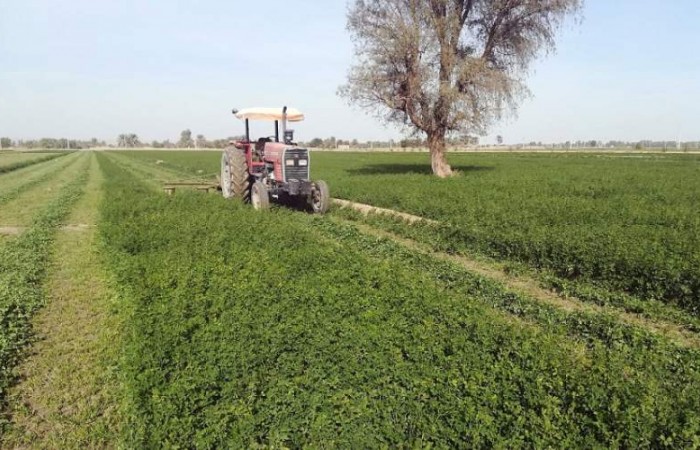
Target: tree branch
{"points": [[465, 13], [491, 41]]}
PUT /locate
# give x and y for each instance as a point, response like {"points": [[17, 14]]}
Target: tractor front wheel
{"points": [[320, 199], [259, 196], [235, 179]]}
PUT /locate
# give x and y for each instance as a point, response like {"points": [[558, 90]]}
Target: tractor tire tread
{"points": [[240, 177]]}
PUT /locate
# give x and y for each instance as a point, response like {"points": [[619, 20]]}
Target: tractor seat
{"points": [[260, 145]]}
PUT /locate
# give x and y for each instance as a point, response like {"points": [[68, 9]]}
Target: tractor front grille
{"points": [[296, 164]]}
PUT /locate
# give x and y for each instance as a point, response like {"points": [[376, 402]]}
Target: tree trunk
{"points": [[436, 144]]}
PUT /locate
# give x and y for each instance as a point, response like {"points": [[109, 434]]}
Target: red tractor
{"points": [[258, 171]]}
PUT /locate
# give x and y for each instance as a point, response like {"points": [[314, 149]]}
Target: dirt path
{"points": [[532, 289], [66, 398]]}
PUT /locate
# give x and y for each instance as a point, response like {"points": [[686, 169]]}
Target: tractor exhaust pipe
{"points": [[284, 123]]}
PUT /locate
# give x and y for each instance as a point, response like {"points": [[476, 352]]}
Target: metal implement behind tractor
{"points": [[270, 169]]}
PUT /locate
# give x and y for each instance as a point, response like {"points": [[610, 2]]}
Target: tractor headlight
{"points": [[303, 162], [289, 162]]}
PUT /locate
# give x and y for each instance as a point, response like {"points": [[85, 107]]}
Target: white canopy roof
{"points": [[293, 114]]}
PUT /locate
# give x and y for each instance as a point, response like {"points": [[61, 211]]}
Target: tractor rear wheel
{"points": [[235, 178], [320, 199], [226, 174], [259, 196]]}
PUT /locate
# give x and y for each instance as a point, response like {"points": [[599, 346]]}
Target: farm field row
{"points": [[36, 213], [67, 395], [194, 321], [286, 329], [10, 161], [18, 180], [627, 225], [653, 315], [615, 230], [22, 199]]}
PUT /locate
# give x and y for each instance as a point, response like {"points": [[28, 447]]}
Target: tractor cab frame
{"points": [[270, 169]]}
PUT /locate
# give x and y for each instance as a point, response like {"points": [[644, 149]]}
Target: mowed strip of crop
{"points": [[23, 264], [15, 183], [154, 173], [199, 163], [285, 330], [68, 394], [20, 210], [13, 161], [8, 158]]}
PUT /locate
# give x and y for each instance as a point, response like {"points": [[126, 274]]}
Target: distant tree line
{"points": [[129, 140], [332, 142], [637, 145], [51, 143], [124, 140], [186, 140]]}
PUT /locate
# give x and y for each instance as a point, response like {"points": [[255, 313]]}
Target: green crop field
{"points": [[605, 226], [551, 301], [10, 160]]}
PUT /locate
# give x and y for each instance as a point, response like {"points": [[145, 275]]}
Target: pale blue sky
{"points": [[84, 68]]}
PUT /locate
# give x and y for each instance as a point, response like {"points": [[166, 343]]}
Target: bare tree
{"points": [[447, 66]]}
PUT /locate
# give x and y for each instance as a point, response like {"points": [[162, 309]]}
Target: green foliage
{"points": [[5, 168], [649, 308], [201, 163], [622, 223], [284, 330], [36, 178], [593, 328], [23, 265]]}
